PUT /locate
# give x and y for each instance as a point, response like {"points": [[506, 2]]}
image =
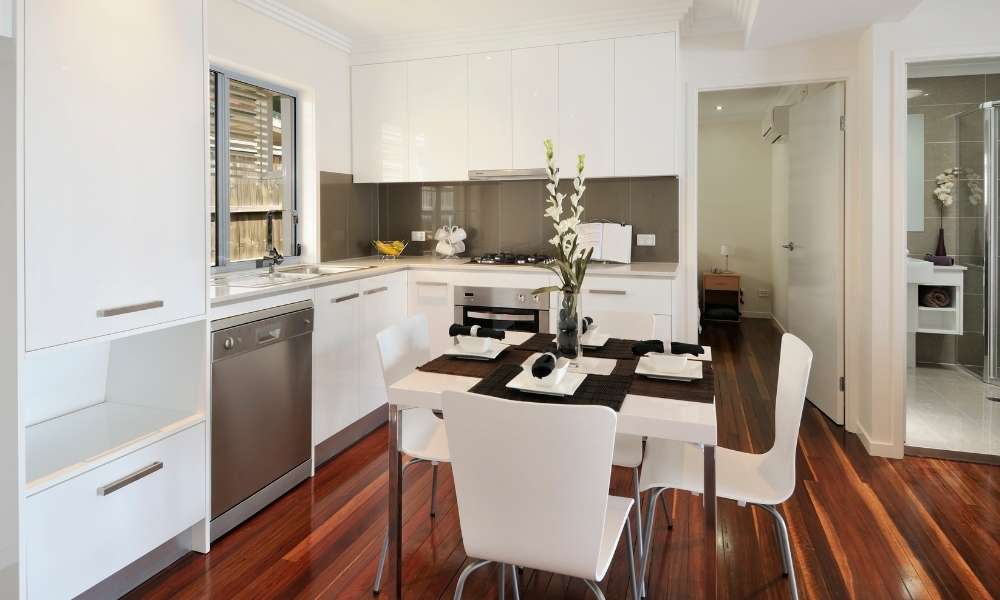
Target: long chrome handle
{"points": [[131, 308], [436, 283], [609, 292], [375, 290], [116, 485], [499, 316], [345, 298]]}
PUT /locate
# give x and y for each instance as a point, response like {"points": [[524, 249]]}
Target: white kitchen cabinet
{"points": [[534, 81], [336, 363], [114, 167], [585, 107], [645, 105], [379, 123], [383, 304], [490, 127], [432, 295], [438, 99]]}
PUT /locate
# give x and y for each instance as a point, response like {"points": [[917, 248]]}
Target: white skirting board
{"points": [[138, 572]]}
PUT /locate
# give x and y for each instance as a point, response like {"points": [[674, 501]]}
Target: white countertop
{"points": [[225, 295]]}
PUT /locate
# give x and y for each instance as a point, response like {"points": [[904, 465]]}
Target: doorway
{"points": [[770, 218]]}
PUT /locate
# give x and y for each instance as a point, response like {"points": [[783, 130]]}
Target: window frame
{"points": [[222, 76]]}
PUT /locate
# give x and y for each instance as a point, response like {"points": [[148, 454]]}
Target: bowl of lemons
{"points": [[387, 249]]}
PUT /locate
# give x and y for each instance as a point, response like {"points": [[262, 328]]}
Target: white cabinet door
{"points": [[115, 166], [383, 304], [379, 123], [490, 128], [534, 81], [438, 97], [335, 359], [645, 105], [431, 295], [585, 112]]}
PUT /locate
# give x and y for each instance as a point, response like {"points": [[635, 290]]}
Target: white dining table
{"points": [[673, 419]]}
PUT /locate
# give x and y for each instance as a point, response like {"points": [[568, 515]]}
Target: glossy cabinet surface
{"points": [[585, 111], [336, 339], [645, 103], [490, 127], [432, 295], [534, 81], [380, 123], [383, 304], [437, 95], [115, 236]]}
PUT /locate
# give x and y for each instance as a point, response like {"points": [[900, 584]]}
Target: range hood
{"points": [[506, 174]]}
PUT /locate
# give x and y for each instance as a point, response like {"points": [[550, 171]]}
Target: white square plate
{"points": [[692, 370], [705, 357], [526, 382], [456, 352], [594, 340]]}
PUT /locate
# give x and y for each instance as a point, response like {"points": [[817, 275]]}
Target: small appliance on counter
{"points": [[612, 242]]}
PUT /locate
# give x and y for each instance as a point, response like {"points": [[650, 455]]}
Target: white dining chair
{"points": [[402, 348], [765, 480], [628, 448], [531, 481]]}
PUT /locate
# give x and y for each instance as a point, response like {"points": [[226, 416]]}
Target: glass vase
{"points": [[569, 327]]}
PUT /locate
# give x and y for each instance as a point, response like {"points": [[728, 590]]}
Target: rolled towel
{"points": [[544, 365], [647, 346], [682, 348], [935, 297], [588, 324], [475, 331]]}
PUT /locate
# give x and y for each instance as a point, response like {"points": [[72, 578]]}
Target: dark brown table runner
{"points": [[449, 365], [614, 348], [699, 390], [600, 390]]}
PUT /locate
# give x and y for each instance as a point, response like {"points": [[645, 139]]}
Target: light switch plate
{"points": [[418, 236], [645, 239]]}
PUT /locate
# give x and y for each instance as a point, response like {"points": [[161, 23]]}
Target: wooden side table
{"points": [[721, 296]]}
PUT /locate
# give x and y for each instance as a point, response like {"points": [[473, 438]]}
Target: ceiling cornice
{"points": [[300, 22]]}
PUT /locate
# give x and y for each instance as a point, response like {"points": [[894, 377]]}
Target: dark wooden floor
{"points": [[861, 527]]}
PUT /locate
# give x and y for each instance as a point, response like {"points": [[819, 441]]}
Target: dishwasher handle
{"points": [[235, 341]]}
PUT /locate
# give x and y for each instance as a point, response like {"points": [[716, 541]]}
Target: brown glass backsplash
{"points": [[497, 215]]}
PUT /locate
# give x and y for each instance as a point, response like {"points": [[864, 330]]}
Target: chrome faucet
{"points": [[271, 257]]}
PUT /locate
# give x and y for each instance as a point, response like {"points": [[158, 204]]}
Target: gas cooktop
{"points": [[509, 258]]}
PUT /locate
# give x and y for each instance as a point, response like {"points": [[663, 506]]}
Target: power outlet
{"points": [[763, 293], [418, 236], [645, 239]]}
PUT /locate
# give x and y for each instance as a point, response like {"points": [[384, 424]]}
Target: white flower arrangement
{"points": [[944, 192], [571, 260]]}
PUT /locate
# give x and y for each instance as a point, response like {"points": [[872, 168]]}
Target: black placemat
{"points": [[616, 349], [700, 390], [600, 390], [449, 365]]}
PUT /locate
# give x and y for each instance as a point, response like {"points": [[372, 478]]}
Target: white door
{"points": [[534, 94], [645, 84], [335, 359], [431, 295], [490, 128], [383, 304], [379, 123], [585, 113], [815, 229], [437, 94]]}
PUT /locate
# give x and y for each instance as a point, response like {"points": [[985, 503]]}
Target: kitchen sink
{"points": [[323, 269], [262, 279]]}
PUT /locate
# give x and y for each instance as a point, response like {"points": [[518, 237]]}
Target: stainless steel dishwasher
{"points": [[261, 410]]}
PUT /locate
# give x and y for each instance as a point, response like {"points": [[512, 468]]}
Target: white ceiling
{"points": [[779, 22], [750, 104]]}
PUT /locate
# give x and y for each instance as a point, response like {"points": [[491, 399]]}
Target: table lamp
{"points": [[724, 251]]}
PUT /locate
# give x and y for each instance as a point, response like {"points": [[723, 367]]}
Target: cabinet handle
{"points": [[345, 298], [130, 308], [609, 292], [116, 485], [434, 283], [375, 290], [472, 314]]}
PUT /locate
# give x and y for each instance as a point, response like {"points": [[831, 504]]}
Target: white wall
{"points": [[779, 233], [244, 39], [734, 206]]}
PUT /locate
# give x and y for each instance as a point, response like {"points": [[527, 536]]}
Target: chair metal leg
{"points": [[385, 544], [465, 575], [666, 511], [786, 547], [593, 587], [434, 486], [650, 519], [502, 583], [514, 583], [631, 562], [638, 509]]}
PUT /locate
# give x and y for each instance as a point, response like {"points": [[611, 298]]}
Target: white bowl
{"points": [[475, 345], [556, 376], [667, 363]]}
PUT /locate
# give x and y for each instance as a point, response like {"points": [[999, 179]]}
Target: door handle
{"points": [[790, 246], [376, 290], [131, 308], [114, 486]]}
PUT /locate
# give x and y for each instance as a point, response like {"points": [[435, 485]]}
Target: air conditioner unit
{"points": [[774, 129]]}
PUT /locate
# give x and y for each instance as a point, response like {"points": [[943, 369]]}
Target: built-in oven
{"points": [[506, 309]]}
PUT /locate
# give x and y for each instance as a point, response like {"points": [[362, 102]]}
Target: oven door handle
{"points": [[474, 314]]}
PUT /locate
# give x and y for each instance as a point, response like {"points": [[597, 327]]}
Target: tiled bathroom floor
{"points": [[950, 409]]}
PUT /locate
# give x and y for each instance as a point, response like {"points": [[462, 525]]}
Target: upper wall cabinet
{"points": [[534, 80], [380, 123], [490, 129], [645, 104], [437, 94], [585, 113], [115, 148]]}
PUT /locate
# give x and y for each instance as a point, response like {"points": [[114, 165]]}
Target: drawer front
{"points": [[627, 294], [82, 531], [718, 282]]}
